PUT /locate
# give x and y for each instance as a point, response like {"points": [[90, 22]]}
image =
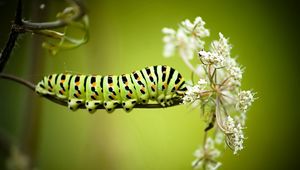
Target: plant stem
{"points": [[80, 12], [16, 29], [18, 80]]}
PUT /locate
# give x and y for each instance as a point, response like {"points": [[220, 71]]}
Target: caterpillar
{"points": [[159, 83]]}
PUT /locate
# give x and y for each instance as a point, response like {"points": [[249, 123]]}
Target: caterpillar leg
{"points": [[61, 96], [143, 99], [92, 105], [111, 105], [129, 104], [168, 100], [161, 100], [74, 103]]}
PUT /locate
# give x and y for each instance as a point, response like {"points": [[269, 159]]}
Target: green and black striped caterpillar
{"points": [[159, 83]]}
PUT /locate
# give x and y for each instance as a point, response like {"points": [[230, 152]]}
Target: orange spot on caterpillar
{"points": [[77, 83], [94, 84], [165, 85], [61, 92], [176, 87]]}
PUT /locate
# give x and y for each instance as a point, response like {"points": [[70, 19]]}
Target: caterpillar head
{"points": [[181, 92]]}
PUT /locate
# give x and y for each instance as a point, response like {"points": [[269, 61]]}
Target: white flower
{"points": [[185, 45], [194, 93], [245, 99], [207, 156], [187, 39], [229, 124], [197, 28], [168, 31], [230, 62], [219, 54], [222, 47], [202, 82], [211, 58], [170, 41], [235, 72], [234, 135], [197, 43]]}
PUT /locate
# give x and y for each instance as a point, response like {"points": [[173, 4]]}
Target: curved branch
{"points": [[26, 83], [80, 12], [16, 29], [31, 86]]}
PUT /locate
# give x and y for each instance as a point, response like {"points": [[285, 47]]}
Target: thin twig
{"points": [[31, 86], [218, 116], [80, 12], [189, 65]]}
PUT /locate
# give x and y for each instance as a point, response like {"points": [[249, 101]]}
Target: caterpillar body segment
{"points": [[94, 93], [159, 83], [111, 92], [62, 81], [128, 92], [77, 90], [141, 86], [150, 76]]}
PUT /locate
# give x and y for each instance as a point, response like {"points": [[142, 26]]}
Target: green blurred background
{"points": [[125, 36]]}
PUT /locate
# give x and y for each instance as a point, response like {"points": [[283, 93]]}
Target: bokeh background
{"points": [[125, 36]]}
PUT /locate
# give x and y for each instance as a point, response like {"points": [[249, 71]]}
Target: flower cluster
{"points": [[245, 99], [187, 39], [194, 92], [234, 135], [206, 156], [218, 92]]}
